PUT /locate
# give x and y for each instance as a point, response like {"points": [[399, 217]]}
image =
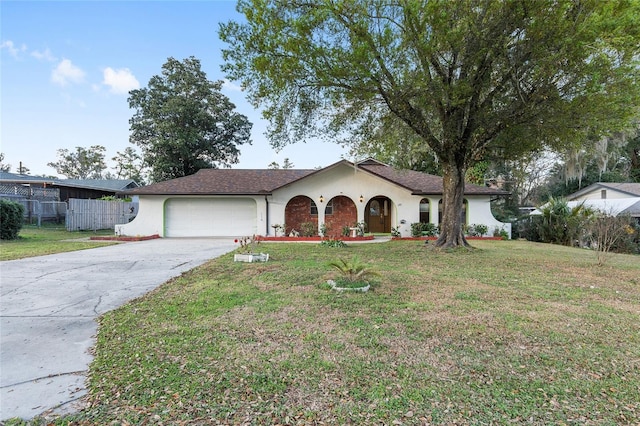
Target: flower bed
{"points": [[435, 238], [293, 239]]}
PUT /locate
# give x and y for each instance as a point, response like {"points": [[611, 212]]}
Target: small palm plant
{"points": [[353, 274]]}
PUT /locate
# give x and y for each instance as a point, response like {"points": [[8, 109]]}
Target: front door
{"points": [[378, 215]]}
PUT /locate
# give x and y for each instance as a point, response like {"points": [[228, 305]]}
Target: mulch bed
{"points": [[367, 238], [435, 238]]}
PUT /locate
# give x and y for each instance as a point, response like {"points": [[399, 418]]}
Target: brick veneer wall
{"points": [[297, 212], [344, 214]]}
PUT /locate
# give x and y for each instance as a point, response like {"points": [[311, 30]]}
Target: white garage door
{"points": [[210, 217]]}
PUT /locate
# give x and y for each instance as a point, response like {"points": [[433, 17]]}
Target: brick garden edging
{"points": [[293, 239], [435, 238]]}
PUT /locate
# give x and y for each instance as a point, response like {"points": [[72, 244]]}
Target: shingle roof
{"points": [[15, 177], [422, 183], [225, 181], [100, 184], [265, 181], [631, 189]]}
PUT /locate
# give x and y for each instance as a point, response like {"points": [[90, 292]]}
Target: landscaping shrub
{"points": [[308, 229], [11, 219], [352, 272], [619, 234], [477, 230], [500, 232], [333, 242], [561, 224], [422, 229], [528, 228]]}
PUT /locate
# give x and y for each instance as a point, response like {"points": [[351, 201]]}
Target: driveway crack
{"points": [[179, 265], [95, 308], [50, 376]]}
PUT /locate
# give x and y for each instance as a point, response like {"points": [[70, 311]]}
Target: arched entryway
{"points": [[339, 213], [377, 215], [301, 215]]}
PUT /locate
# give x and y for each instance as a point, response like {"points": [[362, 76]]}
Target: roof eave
{"points": [[234, 194], [500, 193]]}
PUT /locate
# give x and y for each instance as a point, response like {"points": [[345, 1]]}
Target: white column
{"points": [[433, 210]]}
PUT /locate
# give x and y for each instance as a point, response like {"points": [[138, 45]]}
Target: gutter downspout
{"points": [[266, 216]]}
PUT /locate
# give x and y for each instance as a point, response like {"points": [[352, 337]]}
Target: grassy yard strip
{"points": [[512, 332], [34, 241]]}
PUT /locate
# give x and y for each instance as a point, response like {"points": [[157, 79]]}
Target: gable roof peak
{"points": [[630, 188], [371, 162]]}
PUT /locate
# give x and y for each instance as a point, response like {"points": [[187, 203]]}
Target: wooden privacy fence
{"points": [[85, 215]]}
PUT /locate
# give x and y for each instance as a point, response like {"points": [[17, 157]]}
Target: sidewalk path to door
{"points": [[48, 310]]}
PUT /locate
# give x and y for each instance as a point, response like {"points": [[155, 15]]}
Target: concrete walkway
{"points": [[49, 305]]}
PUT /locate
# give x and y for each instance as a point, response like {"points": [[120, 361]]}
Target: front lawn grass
{"points": [[49, 239], [510, 333]]}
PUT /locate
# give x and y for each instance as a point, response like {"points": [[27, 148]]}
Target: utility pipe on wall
{"points": [[266, 216]]}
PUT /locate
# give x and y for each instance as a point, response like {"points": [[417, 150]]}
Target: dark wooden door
{"points": [[378, 215]]}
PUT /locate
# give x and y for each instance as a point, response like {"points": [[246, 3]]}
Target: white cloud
{"points": [[43, 56], [66, 73], [13, 50], [120, 81], [16, 51], [228, 85]]}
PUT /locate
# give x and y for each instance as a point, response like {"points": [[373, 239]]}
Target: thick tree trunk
{"points": [[451, 228]]}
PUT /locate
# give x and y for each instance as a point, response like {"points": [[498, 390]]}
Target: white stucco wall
{"points": [[342, 180], [352, 183], [596, 194], [150, 218], [348, 182], [479, 213]]}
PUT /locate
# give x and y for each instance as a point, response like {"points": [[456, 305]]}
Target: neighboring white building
{"points": [[235, 202], [606, 191], [609, 198]]}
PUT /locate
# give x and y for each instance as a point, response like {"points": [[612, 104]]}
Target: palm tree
{"points": [[353, 271], [562, 224]]}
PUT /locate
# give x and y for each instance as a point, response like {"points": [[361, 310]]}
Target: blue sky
{"points": [[66, 69]]}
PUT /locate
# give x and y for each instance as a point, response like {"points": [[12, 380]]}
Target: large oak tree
{"points": [[463, 75], [183, 123]]}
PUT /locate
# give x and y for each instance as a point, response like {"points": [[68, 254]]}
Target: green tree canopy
{"points": [[128, 165], [84, 163], [183, 123], [465, 76], [4, 167]]}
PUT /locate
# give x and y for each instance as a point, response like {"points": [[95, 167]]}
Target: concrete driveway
{"points": [[49, 305]]}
